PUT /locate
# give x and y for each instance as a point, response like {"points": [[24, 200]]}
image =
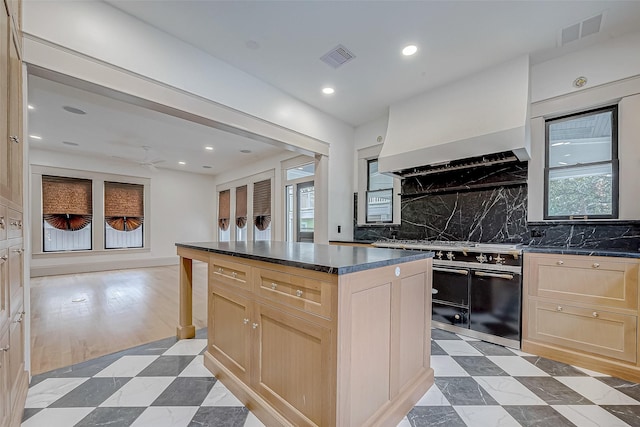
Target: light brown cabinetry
{"points": [[307, 348], [583, 310]]}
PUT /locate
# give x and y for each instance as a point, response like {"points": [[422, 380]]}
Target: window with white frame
{"points": [[124, 215], [241, 214], [224, 215], [581, 173], [379, 202], [262, 210]]}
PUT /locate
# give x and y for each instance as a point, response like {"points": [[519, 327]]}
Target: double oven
{"points": [[477, 288]]}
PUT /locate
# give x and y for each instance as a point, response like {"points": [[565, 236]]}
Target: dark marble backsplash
{"points": [[605, 235]]}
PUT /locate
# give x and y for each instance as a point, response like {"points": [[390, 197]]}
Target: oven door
{"points": [[496, 303], [450, 296]]}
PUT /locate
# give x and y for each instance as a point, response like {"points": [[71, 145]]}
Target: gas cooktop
{"points": [[449, 245]]}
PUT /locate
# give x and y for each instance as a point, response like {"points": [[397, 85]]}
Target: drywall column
{"points": [[321, 207]]}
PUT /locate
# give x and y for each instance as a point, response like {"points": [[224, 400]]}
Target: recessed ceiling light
{"points": [[182, 163], [206, 167], [73, 144], [245, 151], [208, 148], [328, 90], [73, 110], [409, 50], [35, 137], [31, 107]]}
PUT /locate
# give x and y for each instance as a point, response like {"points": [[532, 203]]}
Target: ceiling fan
{"points": [[146, 162]]}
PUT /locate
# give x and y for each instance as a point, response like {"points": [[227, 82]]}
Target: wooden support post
{"points": [[186, 329]]}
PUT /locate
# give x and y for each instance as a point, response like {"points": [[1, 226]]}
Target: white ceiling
{"points": [[454, 38]]}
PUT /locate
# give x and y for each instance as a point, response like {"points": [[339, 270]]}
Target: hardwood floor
{"points": [[78, 317]]}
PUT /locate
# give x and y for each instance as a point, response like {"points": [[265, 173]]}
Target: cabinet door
{"points": [[4, 378], [16, 355], [4, 286], [16, 285], [5, 189], [229, 331], [292, 366], [15, 122]]}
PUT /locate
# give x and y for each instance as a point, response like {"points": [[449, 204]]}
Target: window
{"points": [[67, 213], [224, 215], [262, 210], [581, 174], [123, 215], [379, 207], [241, 214]]}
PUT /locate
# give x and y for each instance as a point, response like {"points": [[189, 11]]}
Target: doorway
{"points": [[300, 202]]}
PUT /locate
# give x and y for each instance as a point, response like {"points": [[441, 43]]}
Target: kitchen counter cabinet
{"points": [[343, 342], [583, 310]]}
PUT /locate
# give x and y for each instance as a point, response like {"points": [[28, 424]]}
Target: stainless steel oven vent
{"points": [[337, 56]]}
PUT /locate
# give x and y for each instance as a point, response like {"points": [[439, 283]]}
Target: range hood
{"points": [[482, 114]]}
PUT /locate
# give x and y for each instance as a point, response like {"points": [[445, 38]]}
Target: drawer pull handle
{"points": [[220, 270], [596, 265], [298, 293], [245, 321], [595, 314], [273, 286], [254, 325], [559, 308], [560, 262], [18, 251], [2, 222], [5, 349], [4, 258], [234, 274]]}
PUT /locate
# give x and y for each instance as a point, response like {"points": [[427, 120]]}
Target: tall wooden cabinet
{"points": [[13, 376]]}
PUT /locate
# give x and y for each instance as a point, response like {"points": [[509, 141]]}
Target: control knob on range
{"points": [[481, 258], [439, 254], [499, 259], [450, 256]]}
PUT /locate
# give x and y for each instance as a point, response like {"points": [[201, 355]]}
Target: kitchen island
{"points": [[315, 335]]}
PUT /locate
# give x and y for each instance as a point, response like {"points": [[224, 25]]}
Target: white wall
{"points": [[181, 210]]}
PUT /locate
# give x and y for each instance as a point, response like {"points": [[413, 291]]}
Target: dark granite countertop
{"points": [[335, 259], [580, 251]]}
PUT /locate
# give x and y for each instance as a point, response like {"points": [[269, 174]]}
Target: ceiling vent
{"points": [[581, 29], [337, 56]]}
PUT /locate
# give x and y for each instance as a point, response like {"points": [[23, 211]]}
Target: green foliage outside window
{"points": [[581, 195]]}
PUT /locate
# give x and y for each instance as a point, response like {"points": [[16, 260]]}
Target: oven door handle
{"points": [[499, 276], [446, 270]]}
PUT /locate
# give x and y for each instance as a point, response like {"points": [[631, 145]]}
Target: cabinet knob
{"points": [[220, 270], [2, 222], [273, 286], [254, 325], [4, 258], [595, 314], [18, 251], [559, 262], [15, 139], [559, 308], [234, 274], [596, 265], [245, 321], [5, 348], [457, 317], [298, 293]]}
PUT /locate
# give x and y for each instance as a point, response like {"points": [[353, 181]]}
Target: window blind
{"points": [[262, 204], [241, 206], [123, 205], [224, 209], [66, 202]]}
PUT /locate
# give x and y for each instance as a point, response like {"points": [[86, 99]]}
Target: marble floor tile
{"points": [[464, 391], [627, 413], [517, 366], [213, 416], [538, 416], [253, 421], [553, 392], [590, 372], [153, 348], [489, 349], [48, 391], [111, 417], [519, 352], [436, 350], [554, 368], [466, 338], [458, 348], [433, 397], [29, 412], [167, 366], [166, 416], [508, 391], [189, 347], [597, 391], [139, 391], [486, 416], [127, 366], [429, 416], [196, 369], [220, 396], [185, 392], [92, 392], [439, 334], [589, 416], [445, 366], [404, 423], [57, 417], [478, 366], [630, 389]]}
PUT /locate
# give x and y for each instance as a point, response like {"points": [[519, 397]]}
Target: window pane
{"points": [[378, 181], [380, 206], [116, 239], [301, 171], [224, 235], [264, 234], [241, 234], [66, 240], [583, 139], [581, 190]]}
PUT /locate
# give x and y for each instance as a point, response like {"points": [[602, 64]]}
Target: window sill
{"points": [[95, 252]]}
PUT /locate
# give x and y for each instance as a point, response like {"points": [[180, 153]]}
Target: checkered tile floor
{"points": [[477, 384]]}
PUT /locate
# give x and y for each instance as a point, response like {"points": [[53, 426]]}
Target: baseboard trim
{"points": [[89, 267]]}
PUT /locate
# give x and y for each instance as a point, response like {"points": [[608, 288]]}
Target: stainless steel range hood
{"points": [[481, 114]]}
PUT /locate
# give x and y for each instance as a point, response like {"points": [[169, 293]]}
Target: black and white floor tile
{"points": [[477, 384]]}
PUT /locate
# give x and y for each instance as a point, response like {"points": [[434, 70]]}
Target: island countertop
{"points": [[332, 259]]}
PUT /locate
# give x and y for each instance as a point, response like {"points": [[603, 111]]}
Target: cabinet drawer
{"points": [[230, 273], [590, 280], [15, 223], [303, 293], [583, 329]]}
